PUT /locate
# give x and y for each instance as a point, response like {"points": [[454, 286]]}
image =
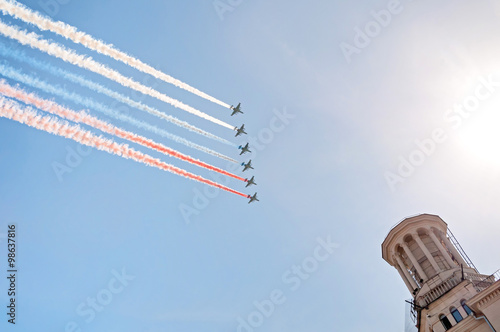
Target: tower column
{"points": [[401, 274], [404, 270], [441, 249], [427, 254], [414, 261]]}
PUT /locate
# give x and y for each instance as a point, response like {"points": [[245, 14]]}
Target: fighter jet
{"points": [[253, 198], [250, 182], [247, 165], [244, 149], [236, 109], [240, 130]]}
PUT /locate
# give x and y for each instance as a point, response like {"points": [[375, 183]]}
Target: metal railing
{"points": [[484, 283], [459, 248], [411, 316]]}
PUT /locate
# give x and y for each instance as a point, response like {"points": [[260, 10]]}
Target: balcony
{"points": [[441, 287]]}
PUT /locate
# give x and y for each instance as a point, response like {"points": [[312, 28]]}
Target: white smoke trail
{"points": [[21, 56], [33, 40], [83, 117], [12, 110], [19, 11], [89, 103]]}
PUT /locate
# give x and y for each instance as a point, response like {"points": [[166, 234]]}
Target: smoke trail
{"points": [[21, 56], [89, 103], [33, 40], [82, 117], [69, 32], [25, 115]]}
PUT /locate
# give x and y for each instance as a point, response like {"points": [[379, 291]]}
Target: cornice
{"points": [[486, 297]]}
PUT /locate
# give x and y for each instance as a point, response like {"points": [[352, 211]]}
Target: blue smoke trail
{"points": [[55, 71], [89, 103]]}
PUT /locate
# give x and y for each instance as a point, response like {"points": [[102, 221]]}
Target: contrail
{"points": [[19, 11], [89, 103], [82, 117], [33, 40], [45, 66], [12, 110]]}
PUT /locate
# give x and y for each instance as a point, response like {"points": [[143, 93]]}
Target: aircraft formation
{"points": [[244, 149], [19, 104]]}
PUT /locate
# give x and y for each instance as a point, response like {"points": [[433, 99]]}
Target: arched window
{"points": [[456, 314], [466, 308], [445, 321]]}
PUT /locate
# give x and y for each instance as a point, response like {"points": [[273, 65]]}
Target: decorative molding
{"points": [[487, 299]]}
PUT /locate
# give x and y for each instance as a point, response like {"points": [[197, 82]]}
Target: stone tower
{"points": [[447, 288]]}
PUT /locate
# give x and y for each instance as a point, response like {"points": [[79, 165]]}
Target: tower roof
{"points": [[406, 226]]}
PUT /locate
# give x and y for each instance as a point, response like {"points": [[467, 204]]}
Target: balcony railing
{"points": [[484, 283], [439, 290], [480, 282]]}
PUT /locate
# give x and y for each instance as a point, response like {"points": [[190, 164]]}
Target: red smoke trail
{"points": [[82, 117], [11, 110]]}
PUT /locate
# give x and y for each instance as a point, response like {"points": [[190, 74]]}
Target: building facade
{"points": [[449, 293]]}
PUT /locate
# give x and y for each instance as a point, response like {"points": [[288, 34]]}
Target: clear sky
{"points": [[330, 113]]}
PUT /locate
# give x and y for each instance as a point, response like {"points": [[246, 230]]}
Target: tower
{"points": [[448, 291]]}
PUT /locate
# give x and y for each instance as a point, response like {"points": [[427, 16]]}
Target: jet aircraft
{"points": [[253, 198], [236, 109], [244, 149], [240, 130], [247, 165], [251, 181]]}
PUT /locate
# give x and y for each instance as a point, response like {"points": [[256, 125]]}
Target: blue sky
{"points": [[322, 175]]}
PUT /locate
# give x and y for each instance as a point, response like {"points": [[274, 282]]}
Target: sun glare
{"points": [[480, 138]]}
